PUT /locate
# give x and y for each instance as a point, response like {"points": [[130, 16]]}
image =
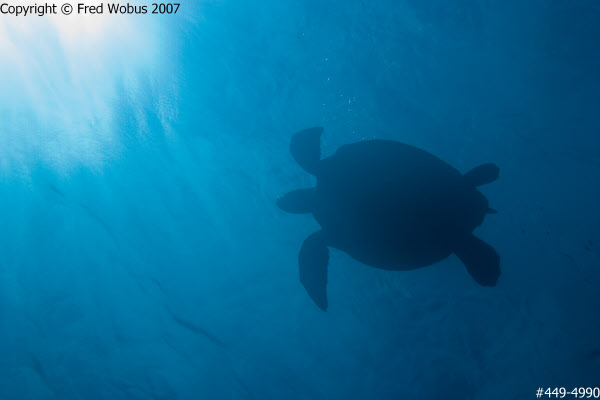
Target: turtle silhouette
{"points": [[390, 206]]}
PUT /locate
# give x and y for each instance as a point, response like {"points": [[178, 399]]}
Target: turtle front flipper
{"points": [[483, 174], [481, 260], [298, 201], [305, 147], [313, 260]]}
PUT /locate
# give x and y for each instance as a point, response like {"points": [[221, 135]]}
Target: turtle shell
{"points": [[393, 206]]}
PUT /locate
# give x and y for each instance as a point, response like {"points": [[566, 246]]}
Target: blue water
{"points": [[141, 252]]}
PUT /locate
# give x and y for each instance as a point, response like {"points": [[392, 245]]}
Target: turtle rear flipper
{"points": [[297, 201], [483, 174], [481, 260], [313, 260], [306, 149]]}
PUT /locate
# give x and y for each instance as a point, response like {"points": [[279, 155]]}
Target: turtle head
{"points": [[297, 201]]}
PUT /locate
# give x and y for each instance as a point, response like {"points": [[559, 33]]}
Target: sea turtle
{"points": [[391, 206]]}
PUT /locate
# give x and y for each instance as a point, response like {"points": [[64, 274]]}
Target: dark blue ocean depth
{"points": [[142, 255]]}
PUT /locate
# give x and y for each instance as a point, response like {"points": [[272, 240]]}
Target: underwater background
{"points": [[141, 252]]}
